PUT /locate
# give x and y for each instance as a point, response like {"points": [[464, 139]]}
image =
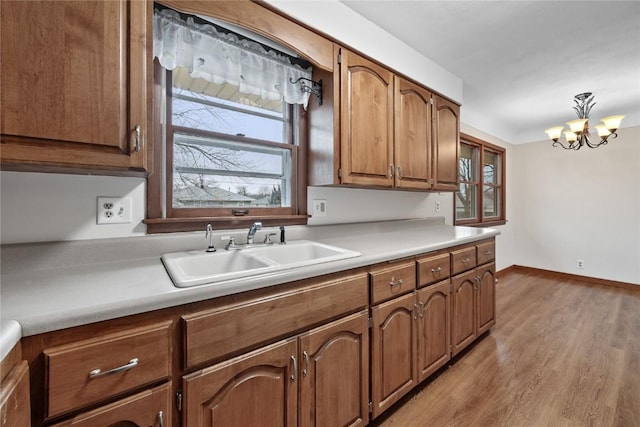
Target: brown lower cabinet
{"points": [[335, 350], [14, 396], [272, 385]]}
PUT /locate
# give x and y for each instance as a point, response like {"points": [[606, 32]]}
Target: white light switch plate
{"points": [[113, 210]]}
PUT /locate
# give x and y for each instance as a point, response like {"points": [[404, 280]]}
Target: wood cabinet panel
{"points": [[433, 269], [393, 352], [463, 259], [463, 315], [486, 252], [486, 297], [366, 122], [412, 138], [69, 367], [14, 397], [393, 280], [214, 333], [75, 85], [446, 144], [256, 389], [150, 408], [434, 326], [334, 373]]}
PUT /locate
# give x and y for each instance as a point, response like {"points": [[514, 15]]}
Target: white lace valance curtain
{"points": [[224, 58]]}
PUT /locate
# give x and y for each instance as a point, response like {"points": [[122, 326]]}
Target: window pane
{"points": [[491, 167], [491, 201], [216, 118], [466, 199], [467, 167], [209, 172]]}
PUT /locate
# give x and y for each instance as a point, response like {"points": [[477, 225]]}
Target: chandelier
{"points": [[578, 134]]}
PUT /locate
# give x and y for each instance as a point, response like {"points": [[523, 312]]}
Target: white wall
{"points": [[580, 205], [36, 207], [338, 21]]}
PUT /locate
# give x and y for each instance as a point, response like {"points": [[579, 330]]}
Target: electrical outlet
{"points": [[319, 207], [437, 206], [113, 210], [580, 263]]}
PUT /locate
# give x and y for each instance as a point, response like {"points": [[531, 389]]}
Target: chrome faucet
{"points": [[252, 231]]}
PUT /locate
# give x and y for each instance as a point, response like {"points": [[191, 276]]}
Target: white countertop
{"points": [[52, 286]]}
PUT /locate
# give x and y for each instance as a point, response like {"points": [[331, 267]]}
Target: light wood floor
{"points": [[563, 353]]}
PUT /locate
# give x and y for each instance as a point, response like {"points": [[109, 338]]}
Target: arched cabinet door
{"points": [[433, 328], [393, 351], [463, 316], [366, 122], [486, 297], [446, 145], [334, 374], [255, 389], [150, 408]]}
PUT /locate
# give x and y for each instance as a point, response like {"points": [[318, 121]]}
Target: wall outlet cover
{"points": [[113, 210]]}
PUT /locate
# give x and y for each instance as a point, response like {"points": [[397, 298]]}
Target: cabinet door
{"points": [[366, 122], [446, 145], [14, 397], [74, 85], [463, 316], [393, 352], [334, 373], [256, 389], [150, 408], [433, 328], [412, 139], [486, 297]]}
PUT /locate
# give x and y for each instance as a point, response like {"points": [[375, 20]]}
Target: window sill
{"points": [[482, 224], [174, 225]]}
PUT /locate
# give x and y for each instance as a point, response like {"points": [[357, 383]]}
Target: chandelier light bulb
{"points": [[612, 122], [577, 125]]}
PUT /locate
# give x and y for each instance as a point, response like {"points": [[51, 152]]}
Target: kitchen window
{"points": [[231, 126], [480, 199]]}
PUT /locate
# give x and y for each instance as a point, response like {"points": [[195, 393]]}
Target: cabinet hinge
{"points": [[339, 172], [339, 58], [370, 322], [431, 101], [179, 400], [370, 406]]}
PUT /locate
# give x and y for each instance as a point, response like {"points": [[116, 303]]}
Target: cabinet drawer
{"points": [[91, 370], [463, 259], [486, 252], [217, 332], [433, 269], [391, 281]]}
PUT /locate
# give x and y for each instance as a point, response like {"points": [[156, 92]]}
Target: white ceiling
{"points": [[522, 62]]}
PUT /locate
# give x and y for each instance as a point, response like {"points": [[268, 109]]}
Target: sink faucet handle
{"points": [[209, 235], [267, 238], [231, 241]]}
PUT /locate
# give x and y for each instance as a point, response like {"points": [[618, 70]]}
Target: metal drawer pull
{"points": [[487, 253], [160, 419], [395, 282], [98, 373], [465, 260], [436, 270]]}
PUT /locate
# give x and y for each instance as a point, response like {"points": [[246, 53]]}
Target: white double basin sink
{"points": [[193, 268]]}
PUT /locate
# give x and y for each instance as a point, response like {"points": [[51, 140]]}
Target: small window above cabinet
{"points": [[75, 80], [387, 132]]}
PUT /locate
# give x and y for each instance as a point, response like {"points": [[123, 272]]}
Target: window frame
{"points": [[481, 220], [162, 217]]}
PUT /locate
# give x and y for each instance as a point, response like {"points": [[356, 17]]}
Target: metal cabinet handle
{"points": [[395, 282], [399, 172], [436, 270], [416, 311], [160, 419], [390, 171], [487, 253], [295, 368], [305, 357], [98, 373], [465, 260], [136, 138]]}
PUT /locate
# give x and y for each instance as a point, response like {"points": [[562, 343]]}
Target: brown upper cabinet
{"points": [[388, 132], [75, 85]]}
